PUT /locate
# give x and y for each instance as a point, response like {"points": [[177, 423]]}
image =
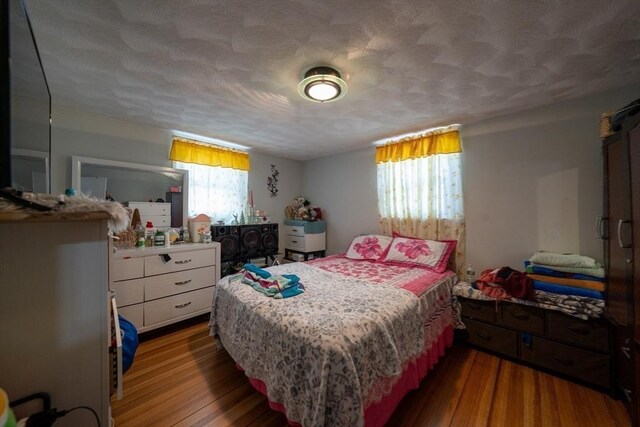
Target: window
{"points": [[215, 191], [420, 188], [423, 188], [218, 177]]}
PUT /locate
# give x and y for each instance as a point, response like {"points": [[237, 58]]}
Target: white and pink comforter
{"points": [[341, 345]]}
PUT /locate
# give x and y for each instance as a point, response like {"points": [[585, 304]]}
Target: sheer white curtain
{"points": [[423, 188], [216, 191], [423, 198]]}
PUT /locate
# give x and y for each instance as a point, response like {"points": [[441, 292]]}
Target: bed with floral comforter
{"points": [[327, 355]]}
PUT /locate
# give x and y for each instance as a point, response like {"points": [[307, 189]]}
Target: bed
{"points": [[347, 350]]}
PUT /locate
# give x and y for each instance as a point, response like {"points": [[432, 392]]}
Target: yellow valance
{"points": [[419, 146], [191, 151]]}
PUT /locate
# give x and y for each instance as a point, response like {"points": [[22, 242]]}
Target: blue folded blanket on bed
{"points": [[276, 286], [566, 290]]}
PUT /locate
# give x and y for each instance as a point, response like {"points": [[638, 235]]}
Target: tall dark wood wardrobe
{"points": [[620, 229]]}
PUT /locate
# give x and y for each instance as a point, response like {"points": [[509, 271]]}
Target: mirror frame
{"points": [[35, 154], [78, 161]]}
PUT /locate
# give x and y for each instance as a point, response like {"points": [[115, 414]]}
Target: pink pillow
{"points": [[369, 246], [431, 254]]}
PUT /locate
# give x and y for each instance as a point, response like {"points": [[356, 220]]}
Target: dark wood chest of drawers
{"points": [[576, 348]]}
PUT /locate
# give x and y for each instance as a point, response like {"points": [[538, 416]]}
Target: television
{"points": [[25, 124]]}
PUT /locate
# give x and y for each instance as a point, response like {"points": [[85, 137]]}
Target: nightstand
{"points": [[305, 238]]}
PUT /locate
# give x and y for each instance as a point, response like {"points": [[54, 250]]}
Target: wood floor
{"points": [[179, 378]]}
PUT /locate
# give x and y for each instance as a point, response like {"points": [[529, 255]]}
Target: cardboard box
{"points": [[297, 257]]}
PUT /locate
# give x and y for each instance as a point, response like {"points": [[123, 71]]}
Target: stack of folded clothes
{"points": [[276, 286], [568, 280]]}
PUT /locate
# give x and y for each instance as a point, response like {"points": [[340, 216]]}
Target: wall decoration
{"points": [[272, 181]]}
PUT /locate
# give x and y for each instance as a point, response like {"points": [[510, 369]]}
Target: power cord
{"points": [[47, 417]]}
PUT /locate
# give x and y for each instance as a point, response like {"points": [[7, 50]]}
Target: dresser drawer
{"points": [[294, 230], [295, 243], [156, 220], [172, 307], [182, 281], [129, 291], [587, 333], [480, 310], [134, 314], [522, 317], [179, 261], [127, 268], [151, 209], [492, 338], [585, 365]]}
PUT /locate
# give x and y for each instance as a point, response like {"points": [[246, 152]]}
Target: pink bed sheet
{"points": [[411, 278]]}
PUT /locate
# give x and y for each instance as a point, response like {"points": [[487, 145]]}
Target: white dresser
{"points": [[158, 286], [158, 213], [298, 241]]}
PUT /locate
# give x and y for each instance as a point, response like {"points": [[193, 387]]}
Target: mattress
{"points": [[327, 356]]}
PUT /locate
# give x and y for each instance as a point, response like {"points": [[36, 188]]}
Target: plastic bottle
{"points": [[140, 235], [471, 274], [159, 238], [149, 234]]}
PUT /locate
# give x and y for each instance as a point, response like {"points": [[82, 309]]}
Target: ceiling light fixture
{"points": [[322, 84]]}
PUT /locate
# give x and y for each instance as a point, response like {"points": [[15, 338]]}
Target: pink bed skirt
{"points": [[377, 414]]}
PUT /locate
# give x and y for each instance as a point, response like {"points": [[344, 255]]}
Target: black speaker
{"points": [[269, 239], [250, 241], [229, 238]]}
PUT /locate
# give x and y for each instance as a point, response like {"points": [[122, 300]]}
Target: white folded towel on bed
{"points": [[563, 260]]}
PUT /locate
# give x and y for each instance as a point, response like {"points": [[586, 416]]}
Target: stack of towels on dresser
{"points": [[567, 280]]}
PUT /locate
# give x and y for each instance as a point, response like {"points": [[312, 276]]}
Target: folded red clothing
{"points": [[506, 282]]}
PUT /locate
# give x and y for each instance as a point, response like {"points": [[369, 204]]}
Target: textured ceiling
{"points": [[229, 69]]}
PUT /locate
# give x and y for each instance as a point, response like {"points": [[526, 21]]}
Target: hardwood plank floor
{"points": [[179, 378]]}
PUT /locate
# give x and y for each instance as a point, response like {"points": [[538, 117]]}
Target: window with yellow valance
{"points": [[191, 151], [415, 147]]}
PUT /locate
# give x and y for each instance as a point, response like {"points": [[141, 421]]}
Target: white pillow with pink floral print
{"points": [[369, 246], [432, 254]]}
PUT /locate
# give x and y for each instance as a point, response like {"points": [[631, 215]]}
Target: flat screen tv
{"points": [[25, 125]]}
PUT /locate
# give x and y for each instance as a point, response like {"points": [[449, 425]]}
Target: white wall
{"points": [[77, 133], [344, 186], [532, 181]]}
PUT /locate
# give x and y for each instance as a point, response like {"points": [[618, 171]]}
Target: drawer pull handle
{"points": [[184, 282], [627, 393], [626, 351], [182, 305], [520, 316], [484, 337], [186, 261], [578, 330], [294, 241], [566, 362]]}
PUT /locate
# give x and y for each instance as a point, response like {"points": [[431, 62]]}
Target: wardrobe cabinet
{"points": [[620, 231]]}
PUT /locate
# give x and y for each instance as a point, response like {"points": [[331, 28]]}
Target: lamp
{"points": [[322, 84]]}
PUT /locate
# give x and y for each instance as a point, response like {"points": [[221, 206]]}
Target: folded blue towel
{"points": [[566, 290], [257, 271]]}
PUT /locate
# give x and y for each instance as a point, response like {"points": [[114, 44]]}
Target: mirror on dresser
{"points": [[129, 182]]}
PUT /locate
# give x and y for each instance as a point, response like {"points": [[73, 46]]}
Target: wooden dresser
{"points": [[580, 349], [158, 286]]}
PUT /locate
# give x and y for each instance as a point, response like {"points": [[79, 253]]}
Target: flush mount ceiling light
{"points": [[322, 84]]}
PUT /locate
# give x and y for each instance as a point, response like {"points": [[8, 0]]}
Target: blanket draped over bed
{"points": [[328, 353]]}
